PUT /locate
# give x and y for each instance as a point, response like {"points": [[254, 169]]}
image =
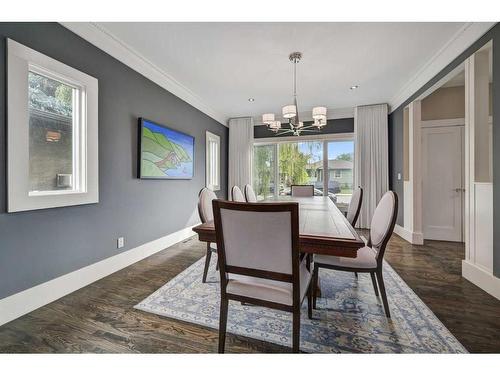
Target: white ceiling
{"points": [[224, 64]]}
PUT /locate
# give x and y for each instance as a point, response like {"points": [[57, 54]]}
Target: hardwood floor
{"points": [[434, 271], [100, 318]]}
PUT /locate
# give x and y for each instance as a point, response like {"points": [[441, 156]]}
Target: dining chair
{"points": [[355, 206], [205, 198], [237, 195], [369, 258], [259, 260], [302, 190], [354, 209], [250, 194]]}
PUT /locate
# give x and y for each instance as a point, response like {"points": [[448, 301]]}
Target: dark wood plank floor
{"points": [[100, 318], [434, 272]]}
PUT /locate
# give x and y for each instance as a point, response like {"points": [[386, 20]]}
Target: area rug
{"points": [[349, 317]]}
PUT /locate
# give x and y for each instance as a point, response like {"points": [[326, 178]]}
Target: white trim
{"points": [[21, 303], [443, 123], [106, 41], [20, 61], [442, 81], [482, 278], [462, 39], [212, 177], [302, 138], [415, 238]]}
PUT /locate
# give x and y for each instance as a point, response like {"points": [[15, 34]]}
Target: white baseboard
{"points": [[482, 278], [414, 238], [21, 303]]}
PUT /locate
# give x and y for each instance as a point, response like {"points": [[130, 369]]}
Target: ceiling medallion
{"points": [[290, 112]]}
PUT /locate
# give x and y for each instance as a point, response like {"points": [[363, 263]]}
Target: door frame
{"points": [[447, 123]]}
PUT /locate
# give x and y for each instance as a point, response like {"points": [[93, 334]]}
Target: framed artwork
{"points": [[164, 153]]}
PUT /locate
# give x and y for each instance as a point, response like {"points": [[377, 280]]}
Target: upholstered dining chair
{"points": [[369, 258], [250, 194], [237, 195], [205, 198], [259, 260], [302, 190], [355, 206], [354, 209]]}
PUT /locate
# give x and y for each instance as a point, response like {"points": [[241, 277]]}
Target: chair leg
{"points": [[356, 275], [207, 263], [374, 282], [222, 324], [314, 283], [296, 331], [310, 300], [382, 292]]}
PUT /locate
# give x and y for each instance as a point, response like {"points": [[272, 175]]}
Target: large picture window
{"points": [[326, 163], [52, 137]]}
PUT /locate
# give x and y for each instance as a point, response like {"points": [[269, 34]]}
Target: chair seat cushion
{"points": [[268, 290], [366, 259]]}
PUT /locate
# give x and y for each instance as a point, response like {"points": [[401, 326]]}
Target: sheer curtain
{"points": [[240, 152], [372, 157]]}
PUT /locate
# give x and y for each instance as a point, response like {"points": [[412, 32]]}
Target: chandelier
{"points": [[290, 112]]}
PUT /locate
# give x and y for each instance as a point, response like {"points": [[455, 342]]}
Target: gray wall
{"points": [[343, 125], [396, 135], [40, 245]]}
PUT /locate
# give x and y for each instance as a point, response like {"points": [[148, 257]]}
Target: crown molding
{"points": [[106, 41], [460, 41]]}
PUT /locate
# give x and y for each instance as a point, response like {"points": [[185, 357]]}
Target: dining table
{"points": [[323, 228]]}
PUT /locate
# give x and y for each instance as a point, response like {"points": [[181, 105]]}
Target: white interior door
{"points": [[442, 175]]}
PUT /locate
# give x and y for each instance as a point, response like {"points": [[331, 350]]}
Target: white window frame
{"points": [[324, 138], [212, 170], [20, 61]]}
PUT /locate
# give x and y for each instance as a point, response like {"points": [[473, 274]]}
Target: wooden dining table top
{"points": [[323, 227]]}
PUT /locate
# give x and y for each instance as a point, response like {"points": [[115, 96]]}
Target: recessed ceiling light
{"points": [[354, 87], [251, 99]]}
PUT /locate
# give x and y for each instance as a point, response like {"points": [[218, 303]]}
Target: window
{"points": [[300, 163], [304, 162], [264, 171], [213, 161], [341, 165], [52, 138], [51, 141]]}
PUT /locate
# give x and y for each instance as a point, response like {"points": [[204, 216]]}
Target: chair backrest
{"points": [[382, 224], [355, 206], [205, 198], [250, 194], [237, 195], [259, 239], [302, 190]]}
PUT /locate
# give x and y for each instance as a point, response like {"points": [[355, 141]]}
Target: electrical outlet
{"points": [[399, 176], [120, 242]]}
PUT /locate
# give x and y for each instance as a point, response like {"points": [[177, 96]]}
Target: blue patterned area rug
{"points": [[349, 318]]}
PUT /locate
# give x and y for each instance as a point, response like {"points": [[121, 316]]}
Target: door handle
{"points": [[458, 190]]}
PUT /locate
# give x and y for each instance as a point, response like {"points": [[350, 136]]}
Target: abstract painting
{"points": [[164, 153]]}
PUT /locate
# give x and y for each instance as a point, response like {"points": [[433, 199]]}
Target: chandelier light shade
{"points": [[289, 111], [268, 118], [319, 113], [275, 125]]}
